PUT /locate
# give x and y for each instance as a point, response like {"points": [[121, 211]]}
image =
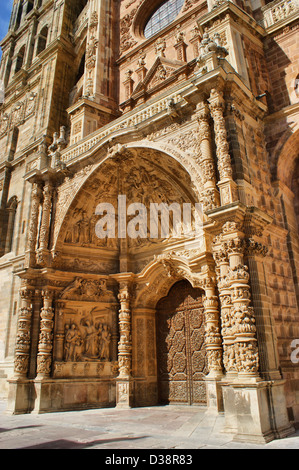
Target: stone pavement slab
{"points": [[168, 427]]}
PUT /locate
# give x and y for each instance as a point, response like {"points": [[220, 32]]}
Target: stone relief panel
{"points": [[88, 341], [18, 113], [142, 176]]}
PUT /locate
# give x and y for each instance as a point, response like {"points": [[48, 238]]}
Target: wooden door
{"points": [[180, 346]]}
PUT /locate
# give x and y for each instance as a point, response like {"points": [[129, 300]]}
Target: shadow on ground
{"points": [[67, 444]]}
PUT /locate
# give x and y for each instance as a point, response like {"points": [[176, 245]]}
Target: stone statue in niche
{"points": [[88, 342]]}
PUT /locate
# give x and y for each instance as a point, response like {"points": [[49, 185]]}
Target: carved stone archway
{"points": [[153, 284], [92, 284]]}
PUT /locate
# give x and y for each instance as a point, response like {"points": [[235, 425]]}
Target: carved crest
{"points": [[87, 289]]}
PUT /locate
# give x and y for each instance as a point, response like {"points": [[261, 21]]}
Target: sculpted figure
{"points": [[73, 343], [106, 339], [91, 339]]}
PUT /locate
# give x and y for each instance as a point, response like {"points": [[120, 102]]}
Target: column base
{"points": [[256, 411], [214, 393], [20, 396], [124, 393], [43, 400]]}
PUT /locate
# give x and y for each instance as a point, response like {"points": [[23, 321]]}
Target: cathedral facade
{"points": [[149, 188]]}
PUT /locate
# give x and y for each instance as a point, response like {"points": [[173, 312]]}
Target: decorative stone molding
{"points": [[36, 196], [23, 341], [125, 342], [238, 322], [45, 346], [226, 185], [213, 338]]}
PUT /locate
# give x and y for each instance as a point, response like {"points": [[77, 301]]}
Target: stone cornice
{"points": [[155, 110], [231, 8]]}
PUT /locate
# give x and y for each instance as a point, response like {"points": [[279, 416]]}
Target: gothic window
{"points": [[7, 225], [42, 40], [77, 90], [79, 7], [29, 6], [19, 15], [163, 16], [20, 59]]}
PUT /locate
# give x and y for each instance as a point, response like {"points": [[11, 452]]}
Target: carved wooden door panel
{"points": [[180, 346]]}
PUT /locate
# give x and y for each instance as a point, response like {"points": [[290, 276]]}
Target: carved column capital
{"points": [[216, 100]]}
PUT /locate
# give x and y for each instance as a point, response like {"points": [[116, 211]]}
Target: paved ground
{"points": [[142, 428]]}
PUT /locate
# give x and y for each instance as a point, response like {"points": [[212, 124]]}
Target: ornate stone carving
{"points": [[87, 289], [160, 47], [125, 342], [212, 329], [238, 322], [91, 54], [36, 196], [216, 102], [45, 346], [23, 340], [45, 224], [89, 342], [126, 39]]}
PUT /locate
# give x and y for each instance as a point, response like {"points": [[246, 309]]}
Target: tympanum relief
{"points": [[141, 176]]}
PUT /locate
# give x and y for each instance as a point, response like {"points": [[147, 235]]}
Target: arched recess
{"points": [[143, 176], [167, 161], [42, 40], [287, 159], [137, 177], [156, 282], [288, 180]]}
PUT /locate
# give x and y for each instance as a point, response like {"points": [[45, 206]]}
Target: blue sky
{"points": [[5, 11]]}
